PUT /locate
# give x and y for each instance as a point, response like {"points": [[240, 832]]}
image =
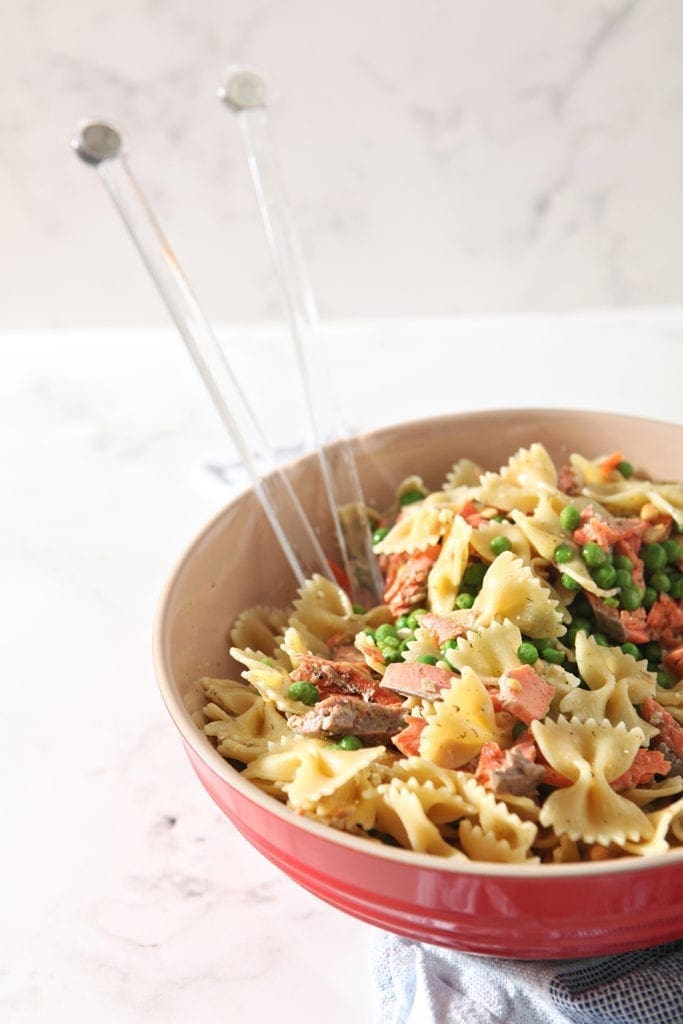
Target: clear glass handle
{"points": [[97, 144], [245, 93]]}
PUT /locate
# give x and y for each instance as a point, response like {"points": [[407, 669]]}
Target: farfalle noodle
{"points": [[524, 705]]}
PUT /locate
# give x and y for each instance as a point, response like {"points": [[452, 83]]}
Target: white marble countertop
{"points": [[128, 897]]}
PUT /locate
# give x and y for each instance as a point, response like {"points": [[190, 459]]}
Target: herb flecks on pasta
{"points": [[518, 695]]}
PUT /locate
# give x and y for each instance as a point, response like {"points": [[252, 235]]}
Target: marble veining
{"points": [[439, 157]]}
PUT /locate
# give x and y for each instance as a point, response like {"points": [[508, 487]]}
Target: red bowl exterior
{"points": [[545, 911], [554, 917]]}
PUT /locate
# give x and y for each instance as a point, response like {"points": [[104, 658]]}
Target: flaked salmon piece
{"points": [[525, 694], [441, 628], [509, 771], [408, 741], [389, 565], [674, 661], [416, 679], [335, 677], [347, 652], [607, 533], [635, 626], [491, 760], [608, 619], [646, 764], [472, 515], [620, 626], [670, 732], [566, 481], [665, 621], [340, 715], [407, 586], [494, 694], [630, 548], [551, 777]]}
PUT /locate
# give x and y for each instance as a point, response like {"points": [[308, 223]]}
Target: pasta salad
{"points": [[518, 695]]}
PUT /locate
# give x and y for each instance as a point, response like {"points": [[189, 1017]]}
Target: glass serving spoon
{"points": [[100, 145], [245, 94]]}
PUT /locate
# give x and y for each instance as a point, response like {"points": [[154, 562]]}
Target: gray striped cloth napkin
{"points": [[421, 984]]}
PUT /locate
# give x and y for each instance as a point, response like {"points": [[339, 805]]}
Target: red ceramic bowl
{"points": [[549, 911]]}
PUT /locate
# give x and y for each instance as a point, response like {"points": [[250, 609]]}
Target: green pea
{"points": [[410, 497], [626, 469], [380, 534], [676, 588], [623, 578], [541, 643], [552, 655], [499, 519], [653, 556], [663, 680], [649, 597], [653, 652], [350, 743], [370, 632], [427, 659], [593, 555], [305, 693], [415, 616], [661, 582], [500, 544], [268, 661], [358, 609], [464, 601], [527, 654], [611, 602], [451, 645], [390, 649], [601, 639], [401, 622], [623, 562], [674, 551], [568, 582], [631, 649], [570, 518], [677, 527], [385, 630], [563, 553], [518, 728], [474, 574], [581, 624], [391, 656], [631, 598], [605, 576], [403, 646]]}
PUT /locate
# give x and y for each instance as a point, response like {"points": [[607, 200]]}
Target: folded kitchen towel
{"points": [[421, 984]]}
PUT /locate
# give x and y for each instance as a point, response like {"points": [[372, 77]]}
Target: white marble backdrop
{"points": [[440, 156]]}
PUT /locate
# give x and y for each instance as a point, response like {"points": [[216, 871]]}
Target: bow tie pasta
{"points": [[518, 695]]}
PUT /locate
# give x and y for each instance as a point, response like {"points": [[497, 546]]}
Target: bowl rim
{"points": [[202, 748]]}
